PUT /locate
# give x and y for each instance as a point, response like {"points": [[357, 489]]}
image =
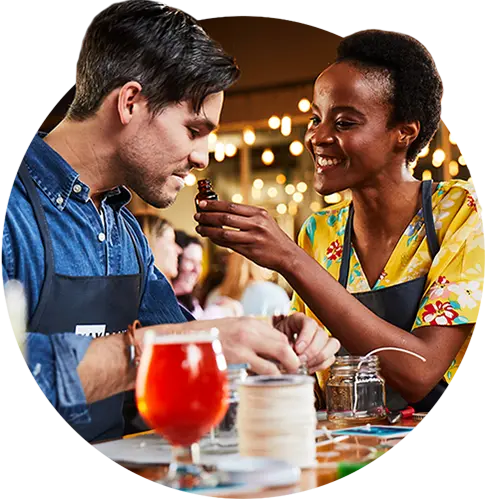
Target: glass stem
{"points": [[185, 455]]}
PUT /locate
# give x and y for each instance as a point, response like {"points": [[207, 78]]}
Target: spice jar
{"points": [[205, 192], [355, 390]]}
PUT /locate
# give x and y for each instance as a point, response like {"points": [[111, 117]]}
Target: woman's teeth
{"points": [[323, 162]]}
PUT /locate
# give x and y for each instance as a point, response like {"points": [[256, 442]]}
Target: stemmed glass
{"points": [[182, 392]]}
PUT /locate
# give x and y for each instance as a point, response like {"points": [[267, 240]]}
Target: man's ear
{"points": [[407, 133], [129, 97]]}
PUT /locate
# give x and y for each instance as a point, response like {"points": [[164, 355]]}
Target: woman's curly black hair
{"points": [[416, 84]]}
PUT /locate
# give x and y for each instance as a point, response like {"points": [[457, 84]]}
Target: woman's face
{"points": [[348, 134], [166, 252], [189, 270]]}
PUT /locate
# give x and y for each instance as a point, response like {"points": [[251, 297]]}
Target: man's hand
{"points": [[244, 340], [312, 344]]}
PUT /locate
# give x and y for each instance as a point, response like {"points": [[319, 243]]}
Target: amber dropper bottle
{"points": [[205, 192]]}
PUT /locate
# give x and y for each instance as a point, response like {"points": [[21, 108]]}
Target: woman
{"points": [[403, 256], [248, 285], [161, 238]]}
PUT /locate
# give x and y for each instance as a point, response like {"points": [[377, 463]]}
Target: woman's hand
{"points": [[248, 230], [312, 344]]}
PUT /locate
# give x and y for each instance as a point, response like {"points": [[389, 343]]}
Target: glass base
{"points": [[185, 472]]}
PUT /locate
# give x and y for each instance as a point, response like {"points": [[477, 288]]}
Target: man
{"points": [[149, 90]]}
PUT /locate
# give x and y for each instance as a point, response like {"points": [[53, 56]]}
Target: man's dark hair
{"points": [[416, 88], [160, 47]]}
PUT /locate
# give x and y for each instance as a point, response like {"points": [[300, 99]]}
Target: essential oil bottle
{"points": [[205, 192]]}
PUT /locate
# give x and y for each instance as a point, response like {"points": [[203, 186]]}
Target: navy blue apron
{"points": [[398, 304], [69, 301]]}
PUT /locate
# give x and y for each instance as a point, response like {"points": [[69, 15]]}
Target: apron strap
{"points": [[431, 237], [345, 263], [39, 215], [138, 257]]}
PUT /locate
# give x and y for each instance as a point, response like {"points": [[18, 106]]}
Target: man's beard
{"points": [[153, 196]]}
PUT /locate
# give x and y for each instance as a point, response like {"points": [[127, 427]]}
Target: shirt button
{"points": [[101, 236], [59, 200], [77, 188]]}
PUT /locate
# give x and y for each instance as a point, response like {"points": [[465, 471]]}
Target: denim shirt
{"points": [[84, 244]]}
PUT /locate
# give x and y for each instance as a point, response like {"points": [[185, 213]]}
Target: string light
{"points": [[274, 122], [237, 198], [290, 189], [296, 148], [190, 179], [427, 175], [219, 153], [282, 208], [438, 157], [258, 184], [301, 187], [304, 105], [272, 192], [286, 126], [249, 136], [230, 150], [298, 197], [267, 157], [333, 198], [454, 168], [281, 179], [462, 161]]}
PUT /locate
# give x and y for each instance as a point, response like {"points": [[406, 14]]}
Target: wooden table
{"points": [[310, 478]]}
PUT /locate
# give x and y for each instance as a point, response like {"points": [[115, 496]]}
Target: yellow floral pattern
{"points": [[454, 278]]}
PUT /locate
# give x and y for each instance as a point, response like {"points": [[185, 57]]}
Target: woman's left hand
{"points": [[312, 344], [248, 230]]}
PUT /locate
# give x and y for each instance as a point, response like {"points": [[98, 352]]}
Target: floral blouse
{"points": [[455, 277]]}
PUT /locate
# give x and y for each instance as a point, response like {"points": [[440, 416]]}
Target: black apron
{"points": [[66, 302], [397, 304]]}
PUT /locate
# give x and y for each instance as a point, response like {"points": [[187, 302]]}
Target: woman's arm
{"points": [[357, 328]]}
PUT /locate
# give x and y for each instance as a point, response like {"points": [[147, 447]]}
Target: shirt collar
{"points": [[58, 180]]}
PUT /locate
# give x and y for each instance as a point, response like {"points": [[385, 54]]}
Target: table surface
{"points": [[309, 479]]}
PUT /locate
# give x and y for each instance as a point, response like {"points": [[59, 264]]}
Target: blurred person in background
{"points": [[249, 285], [161, 238]]}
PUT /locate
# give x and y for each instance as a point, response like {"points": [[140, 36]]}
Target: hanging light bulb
{"points": [[286, 126], [301, 187], [274, 122], [280, 179], [333, 198], [304, 105], [230, 150], [249, 136], [272, 192], [267, 157], [290, 189], [258, 184], [190, 179], [438, 157], [219, 153], [454, 168], [298, 197], [282, 208], [427, 175], [296, 148], [462, 161], [452, 142], [237, 198]]}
